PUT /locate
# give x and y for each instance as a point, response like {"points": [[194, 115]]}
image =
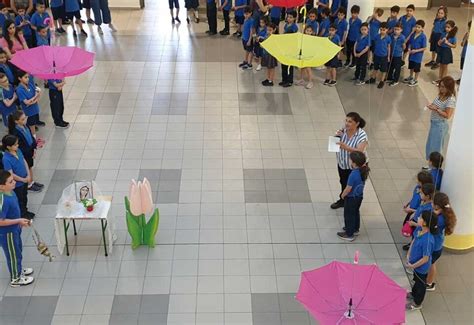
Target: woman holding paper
{"points": [[353, 138]]}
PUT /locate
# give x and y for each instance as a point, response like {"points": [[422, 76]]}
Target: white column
{"points": [[366, 8], [458, 179]]}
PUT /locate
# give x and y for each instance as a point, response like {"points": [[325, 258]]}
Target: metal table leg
{"points": [[66, 227], [74, 226], [103, 224]]}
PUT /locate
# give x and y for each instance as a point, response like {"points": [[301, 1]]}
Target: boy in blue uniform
{"points": [[381, 51], [439, 24], [6, 68], [325, 23], [57, 9], [332, 64], [336, 4], [275, 15], [435, 163], [322, 4], [23, 22], [397, 47], [341, 25], [426, 195], [352, 36], [416, 47], [361, 54], [38, 19], [73, 10], [374, 22], [4, 15], [57, 102], [408, 22], [239, 6], [392, 20], [42, 36], [422, 178], [29, 97], [247, 32], [10, 232], [7, 98], [419, 257], [211, 11], [225, 7], [287, 71], [312, 21]]}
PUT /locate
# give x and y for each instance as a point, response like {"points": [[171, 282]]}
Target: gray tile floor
{"points": [[225, 157]]}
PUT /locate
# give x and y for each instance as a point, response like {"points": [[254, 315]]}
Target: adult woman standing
{"points": [[442, 110], [102, 14], [11, 41], [28, 4], [353, 138]]}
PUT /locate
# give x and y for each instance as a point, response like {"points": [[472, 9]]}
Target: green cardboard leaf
{"points": [[133, 225], [151, 228]]}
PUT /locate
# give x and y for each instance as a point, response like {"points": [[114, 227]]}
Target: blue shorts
{"points": [[415, 66], [436, 255], [173, 4], [333, 63], [247, 48], [434, 38], [380, 63], [239, 20], [58, 12]]}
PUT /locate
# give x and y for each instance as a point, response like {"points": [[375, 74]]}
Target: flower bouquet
{"points": [[140, 204], [89, 204]]}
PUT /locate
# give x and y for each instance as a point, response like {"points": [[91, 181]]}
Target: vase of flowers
{"points": [[89, 204]]}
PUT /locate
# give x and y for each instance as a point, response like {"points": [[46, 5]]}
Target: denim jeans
{"points": [[352, 214], [101, 11], [436, 137]]}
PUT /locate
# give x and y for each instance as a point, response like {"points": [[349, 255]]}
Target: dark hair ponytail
{"points": [[454, 29], [8, 141], [431, 221], [360, 160], [441, 200], [356, 118], [15, 116]]}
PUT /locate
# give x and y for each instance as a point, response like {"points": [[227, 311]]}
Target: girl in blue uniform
{"points": [[445, 52], [419, 257], [260, 37], [7, 98], [438, 28], [446, 223]]}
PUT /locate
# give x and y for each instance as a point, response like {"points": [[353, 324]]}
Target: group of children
{"points": [[382, 46], [429, 219]]}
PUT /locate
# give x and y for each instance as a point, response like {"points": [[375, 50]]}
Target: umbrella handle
{"points": [[356, 257], [303, 11]]}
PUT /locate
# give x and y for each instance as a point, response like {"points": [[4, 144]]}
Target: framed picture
{"points": [[84, 190]]}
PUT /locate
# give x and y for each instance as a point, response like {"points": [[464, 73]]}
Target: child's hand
{"points": [[24, 222], [232, 9], [409, 265]]}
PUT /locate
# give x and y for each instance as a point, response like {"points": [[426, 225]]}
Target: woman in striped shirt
{"points": [[353, 138]]}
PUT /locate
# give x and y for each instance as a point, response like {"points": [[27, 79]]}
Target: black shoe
{"points": [[212, 33], [267, 83], [342, 235], [40, 123], [74, 33], [435, 66], [287, 84], [178, 20], [90, 21], [242, 64], [35, 188], [429, 64], [83, 21], [83, 33], [326, 82], [62, 125], [188, 21], [332, 83], [281, 83], [406, 247], [338, 204], [356, 233], [61, 30], [66, 21], [352, 66], [29, 215], [370, 81], [38, 184], [224, 32], [380, 85]]}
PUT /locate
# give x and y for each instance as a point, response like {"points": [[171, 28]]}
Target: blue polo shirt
{"points": [[320, 9], [240, 12], [415, 198], [3, 18], [451, 40], [423, 207], [290, 29], [275, 12], [37, 20], [228, 5], [51, 83], [341, 27], [355, 181], [374, 26], [10, 210], [439, 25], [5, 68], [262, 32], [55, 3], [354, 29], [5, 110], [325, 23], [247, 29], [391, 23], [381, 45], [314, 25], [27, 31], [27, 93], [420, 247], [17, 165], [362, 43], [40, 41], [396, 45], [439, 237], [437, 177], [336, 4], [407, 24], [73, 5], [335, 39], [417, 42]]}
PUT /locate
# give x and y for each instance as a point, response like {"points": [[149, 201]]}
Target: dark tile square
{"points": [[254, 184], [37, 319], [275, 185], [123, 319], [150, 174], [93, 96], [90, 103], [299, 196], [295, 319], [266, 318], [289, 304], [169, 186], [265, 303], [160, 103], [62, 174], [14, 306], [154, 304], [88, 111], [59, 185], [297, 184], [160, 111], [110, 100], [85, 174], [170, 174], [51, 197], [248, 100], [126, 304], [253, 174], [153, 319], [167, 197], [274, 174], [277, 197], [295, 173], [42, 305], [255, 197]]}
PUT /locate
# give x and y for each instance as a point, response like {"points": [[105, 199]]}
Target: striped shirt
{"points": [[449, 102], [343, 155]]}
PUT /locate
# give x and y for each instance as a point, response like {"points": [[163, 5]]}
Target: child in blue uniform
{"points": [[374, 22], [239, 6], [353, 195], [381, 50], [225, 7], [423, 177], [464, 43], [11, 223], [23, 21], [322, 4], [435, 163], [438, 28], [57, 9], [275, 15], [446, 43], [6, 68], [287, 71], [397, 46], [4, 15], [392, 20], [341, 25], [247, 32], [446, 223], [331, 65], [42, 38], [361, 54], [352, 36], [261, 35], [408, 22], [419, 257], [7, 98], [268, 61], [29, 97], [38, 19], [73, 9], [416, 46], [312, 21], [56, 100], [325, 23], [426, 195]]}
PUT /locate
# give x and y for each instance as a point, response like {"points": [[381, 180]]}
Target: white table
{"points": [[77, 211]]}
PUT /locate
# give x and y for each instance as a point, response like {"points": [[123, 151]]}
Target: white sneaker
{"points": [[21, 281], [112, 27], [99, 30], [27, 271], [309, 85], [299, 82], [259, 67]]}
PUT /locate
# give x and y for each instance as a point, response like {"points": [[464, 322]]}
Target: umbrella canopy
{"points": [[344, 293], [287, 3], [53, 62], [300, 50]]}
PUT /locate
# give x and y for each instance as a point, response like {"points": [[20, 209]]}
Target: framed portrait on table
{"points": [[84, 190]]}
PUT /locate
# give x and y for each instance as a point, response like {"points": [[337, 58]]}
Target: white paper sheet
{"points": [[332, 144]]}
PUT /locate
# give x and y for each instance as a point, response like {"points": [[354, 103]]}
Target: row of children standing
{"points": [[429, 218]]}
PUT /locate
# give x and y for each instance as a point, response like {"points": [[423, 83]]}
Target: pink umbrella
{"points": [[53, 62], [344, 293]]}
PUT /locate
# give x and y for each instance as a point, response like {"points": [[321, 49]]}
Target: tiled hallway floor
{"points": [[242, 178]]}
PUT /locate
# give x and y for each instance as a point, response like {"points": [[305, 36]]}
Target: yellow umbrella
{"points": [[300, 50]]}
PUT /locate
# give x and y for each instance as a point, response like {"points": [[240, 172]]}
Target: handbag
{"points": [[407, 230]]}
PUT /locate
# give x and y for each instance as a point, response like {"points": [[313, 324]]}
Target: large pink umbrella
{"points": [[344, 293], [54, 62]]}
